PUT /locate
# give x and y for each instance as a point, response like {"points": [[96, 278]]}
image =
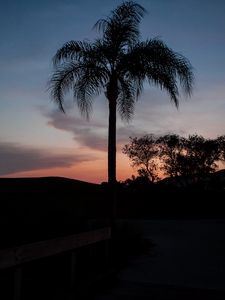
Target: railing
{"points": [[17, 256]]}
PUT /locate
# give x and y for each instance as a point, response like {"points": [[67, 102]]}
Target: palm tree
{"points": [[118, 63]]}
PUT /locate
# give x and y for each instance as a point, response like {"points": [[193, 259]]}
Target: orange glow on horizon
{"points": [[94, 172]]}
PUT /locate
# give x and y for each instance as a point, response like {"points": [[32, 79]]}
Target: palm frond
{"points": [[126, 98], [84, 100], [71, 51], [61, 82], [129, 10], [154, 61], [101, 25], [91, 81], [186, 75], [172, 63], [130, 68], [165, 82], [82, 67], [121, 28]]}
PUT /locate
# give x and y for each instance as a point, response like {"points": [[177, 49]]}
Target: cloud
{"points": [[18, 158], [92, 134], [154, 113]]}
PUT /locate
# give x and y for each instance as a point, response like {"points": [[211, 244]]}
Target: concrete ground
{"points": [[189, 255]]}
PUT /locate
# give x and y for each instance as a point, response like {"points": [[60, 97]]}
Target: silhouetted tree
{"points": [[143, 152], [175, 155], [194, 155], [171, 153], [221, 145], [118, 64]]}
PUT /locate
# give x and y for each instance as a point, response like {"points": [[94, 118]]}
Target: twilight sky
{"points": [[38, 140]]}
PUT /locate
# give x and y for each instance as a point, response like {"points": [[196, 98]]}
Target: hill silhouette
{"points": [[211, 181], [34, 209], [39, 208]]}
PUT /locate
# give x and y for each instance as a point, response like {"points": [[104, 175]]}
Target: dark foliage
{"points": [[143, 153], [194, 156]]}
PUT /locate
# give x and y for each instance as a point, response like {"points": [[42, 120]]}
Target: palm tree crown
{"points": [[117, 64]]}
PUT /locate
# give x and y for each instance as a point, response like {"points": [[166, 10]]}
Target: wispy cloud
{"points": [[154, 114], [92, 134], [19, 158]]}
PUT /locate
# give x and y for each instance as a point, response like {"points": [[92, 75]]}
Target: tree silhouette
{"points": [[144, 153], [118, 63], [175, 155], [194, 155]]}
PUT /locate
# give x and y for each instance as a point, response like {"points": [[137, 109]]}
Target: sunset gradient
{"points": [[38, 140]]}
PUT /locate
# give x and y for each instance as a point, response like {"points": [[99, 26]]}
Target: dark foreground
{"points": [[135, 290], [187, 227], [187, 262]]}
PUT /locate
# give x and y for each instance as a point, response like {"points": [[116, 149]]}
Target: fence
{"points": [[16, 257]]}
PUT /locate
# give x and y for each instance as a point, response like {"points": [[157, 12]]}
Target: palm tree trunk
{"points": [[112, 94], [112, 167], [112, 143]]}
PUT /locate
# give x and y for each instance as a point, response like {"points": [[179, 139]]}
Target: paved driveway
{"points": [[188, 263], [188, 253]]}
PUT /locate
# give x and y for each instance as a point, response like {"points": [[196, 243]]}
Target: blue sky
{"points": [[37, 140]]}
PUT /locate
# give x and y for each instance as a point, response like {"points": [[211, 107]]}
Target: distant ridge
{"points": [[40, 189], [209, 181], [36, 208], [43, 179]]}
